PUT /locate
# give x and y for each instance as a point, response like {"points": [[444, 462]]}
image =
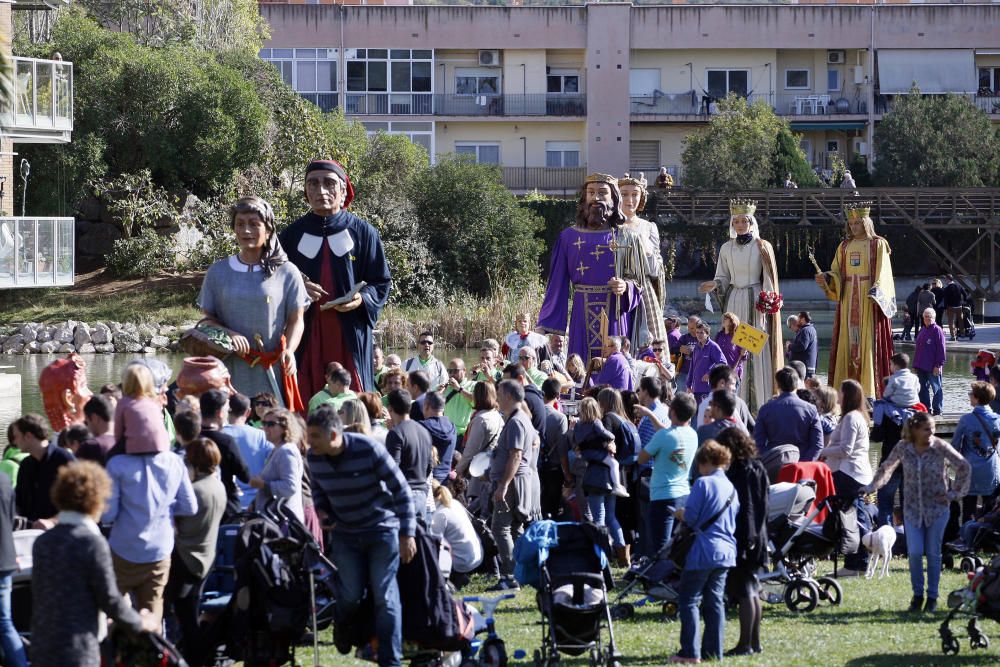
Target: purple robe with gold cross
{"points": [[585, 260]]}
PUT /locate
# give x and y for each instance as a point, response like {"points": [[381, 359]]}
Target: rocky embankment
{"points": [[96, 338]]}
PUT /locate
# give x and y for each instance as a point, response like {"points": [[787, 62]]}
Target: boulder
{"points": [[131, 347], [115, 327], [63, 334], [159, 341], [149, 350], [67, 347], [101, 334], [31, 348], [86, 348], [89, 208], [45, 334], [146, 332], [28, 332], [13, 344], [81, 335], [104, 348], [166, 329], [125, 341], [99, 239], [48, 347]]}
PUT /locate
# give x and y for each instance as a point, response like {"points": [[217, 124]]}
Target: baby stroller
{"points": [[776, 458], [658, 578], [572, 578], [986, 541], [283, 584], [979, 599], [797, 542], [965, 327]]}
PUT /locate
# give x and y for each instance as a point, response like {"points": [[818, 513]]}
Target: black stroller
{"points": [[284, 585], [980, 599], [965, 326], [574, 578]]}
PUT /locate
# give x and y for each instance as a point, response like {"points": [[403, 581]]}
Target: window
{"points": [[807, 148], [833, 80], [419, 133], [643, 82], [644, 155], [721, 82], [989, 79], [477, 81], [381, 70], [796, 79], [833, 146], [562, 153], [306, 70], [484, 153], [562, 83]]}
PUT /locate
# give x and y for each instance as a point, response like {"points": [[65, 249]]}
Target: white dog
{"points": [[879, 544]]}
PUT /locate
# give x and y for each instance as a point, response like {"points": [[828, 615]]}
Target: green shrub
{"points": [[141, 256]]}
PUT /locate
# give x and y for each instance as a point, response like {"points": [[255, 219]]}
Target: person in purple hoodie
{"points": [[616, 372], [735, 355], [706, 355], [928, 361]]}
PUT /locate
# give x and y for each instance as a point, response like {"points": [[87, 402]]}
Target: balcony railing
{"points": [[691, 103], [567, 179], [37, 252], [43, 96], [448, 104], [988, 102], [325, 101]]}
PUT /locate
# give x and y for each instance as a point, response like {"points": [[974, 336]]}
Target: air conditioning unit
{"points": [[836, 57], [859, 75], [489, 58]]}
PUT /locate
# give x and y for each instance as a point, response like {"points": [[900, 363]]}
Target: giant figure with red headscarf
{"points": [[336, 250]]}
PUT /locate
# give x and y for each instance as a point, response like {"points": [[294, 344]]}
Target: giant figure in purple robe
{"points": [[598, 260]]}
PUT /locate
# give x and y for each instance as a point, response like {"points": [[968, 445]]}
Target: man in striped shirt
{"points": [[363, 498]]}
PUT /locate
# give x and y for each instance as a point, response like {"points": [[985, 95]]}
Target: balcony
{"points": [[37, 252], [43, 102], [448, 104], [326, 102], [547, 179], [690, 106], [987, 100]]}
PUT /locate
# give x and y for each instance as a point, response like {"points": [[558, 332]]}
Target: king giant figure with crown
{"points": [[860, 281]]}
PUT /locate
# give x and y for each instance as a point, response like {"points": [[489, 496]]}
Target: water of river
{"points": [[105, 368]]}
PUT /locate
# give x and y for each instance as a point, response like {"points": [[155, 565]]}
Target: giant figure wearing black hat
{"points": [[335, 249]]}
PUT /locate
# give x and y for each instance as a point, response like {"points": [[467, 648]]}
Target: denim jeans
{"points": [[13, 648], [924, 540], [931, 383], [602, 509], [704, 588], [661, 521], [887, 497], [372, 559]]}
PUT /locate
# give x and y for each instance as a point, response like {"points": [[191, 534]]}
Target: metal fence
{"points": [[448, 104], [567, 179]]}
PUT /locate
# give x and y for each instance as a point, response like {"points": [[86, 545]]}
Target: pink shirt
{"points": [[140, 421]]}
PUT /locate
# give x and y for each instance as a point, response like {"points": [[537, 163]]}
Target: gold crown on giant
{"points": [[742, 206], [598, 177], [628, 179], [857, 210]]}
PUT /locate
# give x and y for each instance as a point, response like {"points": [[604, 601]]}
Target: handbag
{"points": [[685, 535]]}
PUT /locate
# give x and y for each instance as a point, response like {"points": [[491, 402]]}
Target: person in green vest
{"points": [[337, 389], [10, 463], [528, 359], [458, 399]]}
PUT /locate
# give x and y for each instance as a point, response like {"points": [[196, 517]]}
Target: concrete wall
{"points": [[608, 107], [448, 133]]}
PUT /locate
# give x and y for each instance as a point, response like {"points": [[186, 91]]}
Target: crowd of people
{"points": [[527, 433]]}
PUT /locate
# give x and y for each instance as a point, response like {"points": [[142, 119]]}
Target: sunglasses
{"points": [[523, 358], [269, 424], [657, 349], [426, 342]]}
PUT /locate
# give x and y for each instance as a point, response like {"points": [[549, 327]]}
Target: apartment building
{"points": [[35, 249], [550, 93]]}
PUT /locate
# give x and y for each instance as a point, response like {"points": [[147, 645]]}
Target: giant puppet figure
{"points": [[600, 261], [647, 323], [861, 283], [746, 268], [335, 250], [63, 384]]}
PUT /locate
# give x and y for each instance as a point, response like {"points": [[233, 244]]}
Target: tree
{"points": [[737, 150], [790, 159], [483, 240], [936, 141]]}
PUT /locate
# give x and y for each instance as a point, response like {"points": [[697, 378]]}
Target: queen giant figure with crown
{"points": [[746, 268], [861, 283]]}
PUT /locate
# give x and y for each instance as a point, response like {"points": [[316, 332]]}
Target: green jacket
{"points": [[10, 463]]}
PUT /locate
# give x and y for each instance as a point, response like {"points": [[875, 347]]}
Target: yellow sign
{"points": [[750, 338]]}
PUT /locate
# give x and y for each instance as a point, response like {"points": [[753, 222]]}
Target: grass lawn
{"points": [[870, 627]]}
